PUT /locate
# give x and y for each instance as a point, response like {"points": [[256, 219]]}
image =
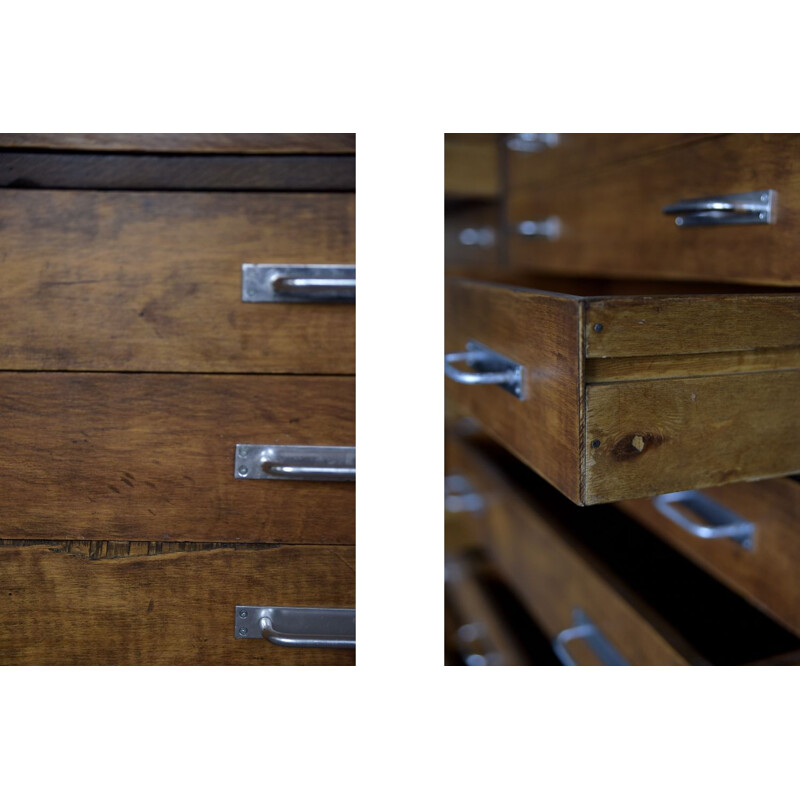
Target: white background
{"points": [[399, 724]]}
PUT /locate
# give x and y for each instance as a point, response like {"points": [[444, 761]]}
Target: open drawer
{"points": [[603, 589], [619, 395]]}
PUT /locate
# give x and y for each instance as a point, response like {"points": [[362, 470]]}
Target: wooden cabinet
{"points": [[131, 367]]}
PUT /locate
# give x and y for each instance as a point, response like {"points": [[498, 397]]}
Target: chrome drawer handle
{"points": [[719, 522], [291, 626], [749, 208], [584, 628], [460, 497], [298, 283], [291, 462], [549, 228], [480, 237], [490, 368], [531, 142]]}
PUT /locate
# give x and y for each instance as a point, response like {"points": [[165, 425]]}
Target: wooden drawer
{"points": [[632, 396], [651, 606], [472, 238], [472, 165], [554, 158], [765, 569], [140, 603], [151, 457], [612, 223], [152, 281]]}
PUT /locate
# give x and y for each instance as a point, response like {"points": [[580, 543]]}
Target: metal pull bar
{"points": [[584, 628], [719, 522], [459, 496], [295, 462], [489, 368], [298, 283], [749, 208], [549, 228], [480, 237], [531, 142], [292, 626]]}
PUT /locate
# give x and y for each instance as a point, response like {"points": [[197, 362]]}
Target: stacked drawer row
{"points": [[658, 397], [132, 367]]}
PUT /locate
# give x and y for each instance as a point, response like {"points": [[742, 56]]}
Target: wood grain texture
{"points": [[186, 142], [472, 165], [612, 223], [168, 609], [152, 281], [653, 326], [579, 154], [767, 575], [320, 173], [658, 436], [542, 332], [128, 456]]}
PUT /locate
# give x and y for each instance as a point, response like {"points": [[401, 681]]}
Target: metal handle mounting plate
{"points": [[584, 628], [293, 462], [747, 208], [298, 283], [488, 368], [719, 522], [293, 626], [460, 496], [531, 142]]}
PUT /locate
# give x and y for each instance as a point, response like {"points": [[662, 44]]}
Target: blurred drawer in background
{"points": [[473, 238], [615, 397], [601, 587], [472, 166], [611, 218]]}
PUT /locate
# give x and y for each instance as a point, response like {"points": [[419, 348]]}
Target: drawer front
{"points": [[551, 159], [64, 605], [541, 332], [472, 238], [554, 580], [186, 142], [141, 281], [472, 165], [151, 457], [612, 223], [765, 569]]}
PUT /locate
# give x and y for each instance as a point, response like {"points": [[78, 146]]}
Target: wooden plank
{"points": [[130, 456], [186, 142], [542, 332], [152, 281], [60, 608], [766, 575], [577, 154], [320, 173], [658, 436], [613, 225], [605, 370], [651, 325], [472, 165]]}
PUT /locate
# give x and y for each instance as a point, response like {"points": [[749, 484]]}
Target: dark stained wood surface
{"points": [[472, 165], [613, 225], [151, 281], [186, 142], [59, 605], [321, 173], [151, 457]]}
